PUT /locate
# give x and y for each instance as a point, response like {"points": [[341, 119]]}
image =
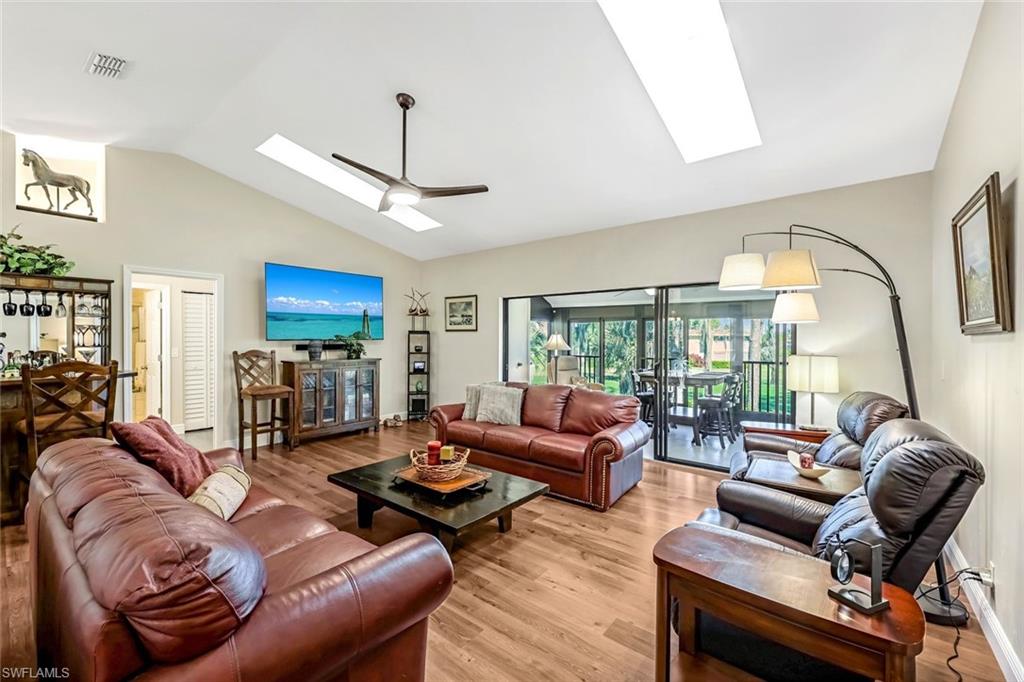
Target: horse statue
{"points": [[47, 176]]}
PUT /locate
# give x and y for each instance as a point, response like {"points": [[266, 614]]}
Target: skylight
{"points": [[684, 57], [300, 159]]}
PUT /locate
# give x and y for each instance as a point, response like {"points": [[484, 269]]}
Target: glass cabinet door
{"points": [[309, 381], [328, 397], [366, 407], [350, 395]]}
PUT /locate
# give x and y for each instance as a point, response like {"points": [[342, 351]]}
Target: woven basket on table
{"points": [[439, 472]]}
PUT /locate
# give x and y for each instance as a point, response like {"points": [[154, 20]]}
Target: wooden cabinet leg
{"points": [[689, 625], [900, 668], [663, 629], [505, 522]]}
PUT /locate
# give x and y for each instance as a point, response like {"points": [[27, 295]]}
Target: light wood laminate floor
{"points": [[567, 594]]}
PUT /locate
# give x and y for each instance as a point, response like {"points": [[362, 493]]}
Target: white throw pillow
{"points": [[500, 405], [472, 401], [473, 398], [223, 491]]}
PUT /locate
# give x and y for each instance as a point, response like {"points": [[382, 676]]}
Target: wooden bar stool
{"points": [[67, 400], [256, 379]]}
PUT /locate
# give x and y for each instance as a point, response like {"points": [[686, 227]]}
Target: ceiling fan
{"points": [[401, 191]]}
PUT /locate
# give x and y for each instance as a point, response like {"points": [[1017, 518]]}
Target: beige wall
{"points": [[889, 218], [164, 211], [978, 380]]}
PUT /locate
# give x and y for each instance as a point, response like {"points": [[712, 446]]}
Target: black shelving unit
{"points": [[419, 369]]}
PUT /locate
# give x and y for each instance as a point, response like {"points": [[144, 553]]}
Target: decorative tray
{"points": [[469, 478]]}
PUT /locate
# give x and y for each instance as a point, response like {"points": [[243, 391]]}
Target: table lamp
{"points": [[813, 374], [555, 343]]}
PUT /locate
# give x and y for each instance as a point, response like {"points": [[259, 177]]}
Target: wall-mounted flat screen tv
{"points": [[307, 304]]}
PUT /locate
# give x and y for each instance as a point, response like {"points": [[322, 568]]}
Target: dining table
{"points": [[692, 381]]}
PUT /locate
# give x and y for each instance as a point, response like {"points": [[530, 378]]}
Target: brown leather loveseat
{"points": [[587, 445], [130, 580]]}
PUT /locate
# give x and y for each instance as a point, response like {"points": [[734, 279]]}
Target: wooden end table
{"points": [[787, 430], [443, 516], [780, 597], [780, 474]]}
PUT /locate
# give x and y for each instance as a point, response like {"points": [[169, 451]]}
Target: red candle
{"points": [[434, 452]]}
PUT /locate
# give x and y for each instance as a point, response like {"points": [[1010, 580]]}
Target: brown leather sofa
{"points": [[858, 416], [587, 445], [130, 580], [918, 484]]}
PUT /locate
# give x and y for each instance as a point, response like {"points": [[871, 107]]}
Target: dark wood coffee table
{"points": [[780, 597], [780, 474], [443, 516]]}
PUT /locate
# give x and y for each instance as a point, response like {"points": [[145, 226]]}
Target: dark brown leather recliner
{"points": [[858, 417], [917, 486], [130, 580]]}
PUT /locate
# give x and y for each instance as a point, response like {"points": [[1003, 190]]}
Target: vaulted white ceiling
{"points": [[535, 99]]}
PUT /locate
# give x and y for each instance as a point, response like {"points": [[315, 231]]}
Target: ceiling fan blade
{"points": [[385, 204], [433, 192], [373, 172]]}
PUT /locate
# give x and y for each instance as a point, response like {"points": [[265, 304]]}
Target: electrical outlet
{"points": [[988, 575]]}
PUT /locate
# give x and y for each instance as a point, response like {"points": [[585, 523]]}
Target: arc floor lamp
{"points": [[793, 271]]}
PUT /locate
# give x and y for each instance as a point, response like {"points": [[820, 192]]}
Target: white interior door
{"points": [[152, 326], [198, 342]]}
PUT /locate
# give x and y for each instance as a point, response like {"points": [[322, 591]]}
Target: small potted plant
{"points": [[352, 346]]}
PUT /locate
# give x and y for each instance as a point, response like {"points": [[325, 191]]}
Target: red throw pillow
{"points": [[155, 443]]}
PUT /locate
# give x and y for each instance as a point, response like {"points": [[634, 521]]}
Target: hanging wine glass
{"points": [[10, 308], [27, 308], [81, 308], [62, 310], [97, 306], [44, 309]]}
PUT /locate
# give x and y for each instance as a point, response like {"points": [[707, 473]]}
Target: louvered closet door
{"points": [[198, 355]]}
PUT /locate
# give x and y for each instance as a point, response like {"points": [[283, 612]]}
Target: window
{"points": [[538, 354], [619, 355]]}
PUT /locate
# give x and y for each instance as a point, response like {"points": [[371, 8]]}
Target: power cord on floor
{"points": [[971, 575]]}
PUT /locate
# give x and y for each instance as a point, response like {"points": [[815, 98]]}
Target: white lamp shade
{"points": [[795, 308], [741, 272], [792, 269], [556, 342], [813, 373]]}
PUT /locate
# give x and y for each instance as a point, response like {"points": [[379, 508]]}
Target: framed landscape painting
{"points": [[980, 259], [460, 313]]}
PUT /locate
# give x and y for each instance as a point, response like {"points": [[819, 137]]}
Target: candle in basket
{"points": [[806, 461], [434, 452], [447, 454]]}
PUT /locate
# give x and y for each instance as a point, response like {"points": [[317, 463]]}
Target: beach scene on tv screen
{"points": [[306, 303]]}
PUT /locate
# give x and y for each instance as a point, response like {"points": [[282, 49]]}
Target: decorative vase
{"points": [[315, 350], [419, 386]]}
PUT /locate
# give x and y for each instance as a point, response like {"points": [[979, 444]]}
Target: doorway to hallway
{"points": [[171, 341]]}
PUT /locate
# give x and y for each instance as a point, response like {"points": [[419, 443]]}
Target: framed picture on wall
{"points": [[460, 313], [979, 255]]}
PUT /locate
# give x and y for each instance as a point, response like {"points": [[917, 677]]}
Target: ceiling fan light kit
{"points": [[401, 191]]}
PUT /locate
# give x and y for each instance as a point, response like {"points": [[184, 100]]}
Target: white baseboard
{"points": [[1009, 661]]}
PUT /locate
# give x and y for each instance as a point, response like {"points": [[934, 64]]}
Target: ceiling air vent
{"points": [[106, 65]]}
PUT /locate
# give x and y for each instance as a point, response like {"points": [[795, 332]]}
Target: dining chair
{"points": [[256, 379], [646, 397], [70, 399], [716, 412]]}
